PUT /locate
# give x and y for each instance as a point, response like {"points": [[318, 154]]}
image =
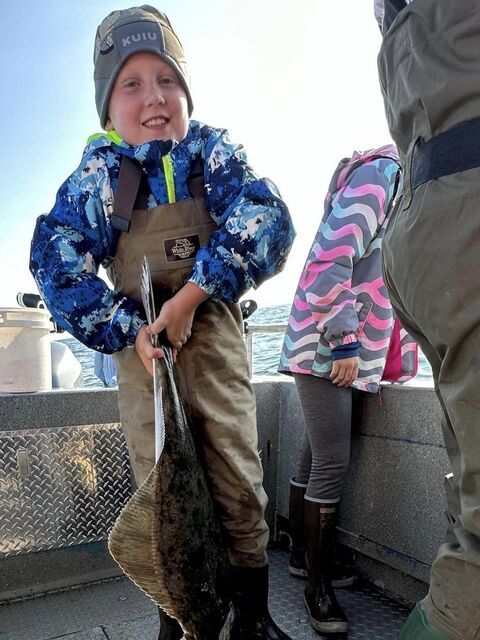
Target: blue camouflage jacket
{"points": [[71, 242]]}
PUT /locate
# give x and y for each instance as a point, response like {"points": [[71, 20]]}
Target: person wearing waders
{"points": [[204, 252], [337, 338], [429, 67]]}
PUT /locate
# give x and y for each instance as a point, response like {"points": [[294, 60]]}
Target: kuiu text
{"points": [[137, 37]]}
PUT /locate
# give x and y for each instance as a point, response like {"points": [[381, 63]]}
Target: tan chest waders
{"points": [[211, 369]]}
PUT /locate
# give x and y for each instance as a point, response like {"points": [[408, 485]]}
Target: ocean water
{"points": [[266, 350]]}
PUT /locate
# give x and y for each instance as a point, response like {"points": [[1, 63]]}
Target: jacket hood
{"points": [[358, 158]]}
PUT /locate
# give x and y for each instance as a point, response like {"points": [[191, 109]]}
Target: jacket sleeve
{"points": [[67, 248], [255, 231], [357, 212]]}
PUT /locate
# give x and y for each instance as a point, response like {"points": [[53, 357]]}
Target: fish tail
{"points": [[131, 543]]}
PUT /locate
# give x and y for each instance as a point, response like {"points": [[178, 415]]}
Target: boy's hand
{"points": [[145, 350], [345, 371], [176, 315]]}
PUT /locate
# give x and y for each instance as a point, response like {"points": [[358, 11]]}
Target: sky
{"points": [[294, 81]]}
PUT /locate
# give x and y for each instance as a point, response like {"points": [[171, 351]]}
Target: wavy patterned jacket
{"points": [[341, 298], [70, 243]]}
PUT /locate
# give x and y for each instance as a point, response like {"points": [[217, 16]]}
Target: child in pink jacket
{"points": [[337, 339]]}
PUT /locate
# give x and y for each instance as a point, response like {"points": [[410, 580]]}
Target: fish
{"points": [[168, 539]]}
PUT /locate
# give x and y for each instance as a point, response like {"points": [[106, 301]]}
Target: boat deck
{"points": [[117, 610]]}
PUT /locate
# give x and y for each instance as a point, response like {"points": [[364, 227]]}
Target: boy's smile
{"points": [[148, 101]]}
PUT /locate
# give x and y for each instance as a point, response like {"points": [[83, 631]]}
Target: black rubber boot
{"points": [[344, 574], [325, 614], [169, 627], [297, 566], [252, 620], [343, 570]]}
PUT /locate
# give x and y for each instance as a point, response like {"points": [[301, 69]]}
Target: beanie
{"points": [[128, 31]]}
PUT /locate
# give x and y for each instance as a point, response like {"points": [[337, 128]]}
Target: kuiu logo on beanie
{"points": [[123, 33], [127, 38]]}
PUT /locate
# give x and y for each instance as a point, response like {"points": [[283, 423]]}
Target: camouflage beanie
{"points": [[128, 31]]}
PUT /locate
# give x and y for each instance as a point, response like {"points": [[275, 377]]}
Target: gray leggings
{"points": [[325, 450]]}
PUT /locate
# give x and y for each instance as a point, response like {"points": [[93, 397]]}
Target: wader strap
{"points": [[129, 179], [196, 181], [457, 149], [132, 186]]}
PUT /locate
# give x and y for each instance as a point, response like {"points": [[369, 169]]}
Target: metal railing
{"points": [[251, 329]]}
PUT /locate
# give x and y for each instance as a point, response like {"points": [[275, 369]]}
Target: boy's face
{"points": [[148, 101]]}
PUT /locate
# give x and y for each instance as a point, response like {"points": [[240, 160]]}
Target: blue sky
{"points": [[294, 81]]}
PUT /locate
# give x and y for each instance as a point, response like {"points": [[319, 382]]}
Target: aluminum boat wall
{"points": [[64, 476]]}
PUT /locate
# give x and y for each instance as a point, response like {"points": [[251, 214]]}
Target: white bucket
{"points": [[25, 360]]}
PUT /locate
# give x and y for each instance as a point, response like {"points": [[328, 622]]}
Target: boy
{"points": [[204, 253]]}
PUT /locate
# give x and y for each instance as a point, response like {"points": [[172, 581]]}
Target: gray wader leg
{"points": [[435, 289]]}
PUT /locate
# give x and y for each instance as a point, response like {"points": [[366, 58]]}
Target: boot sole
{"points": [[338, 626]]}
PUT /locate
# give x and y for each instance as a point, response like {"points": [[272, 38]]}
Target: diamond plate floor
{"points": [[117, 610]]}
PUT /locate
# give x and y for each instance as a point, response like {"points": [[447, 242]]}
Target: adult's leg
{"points": [[431, 266], [454, 596]]}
